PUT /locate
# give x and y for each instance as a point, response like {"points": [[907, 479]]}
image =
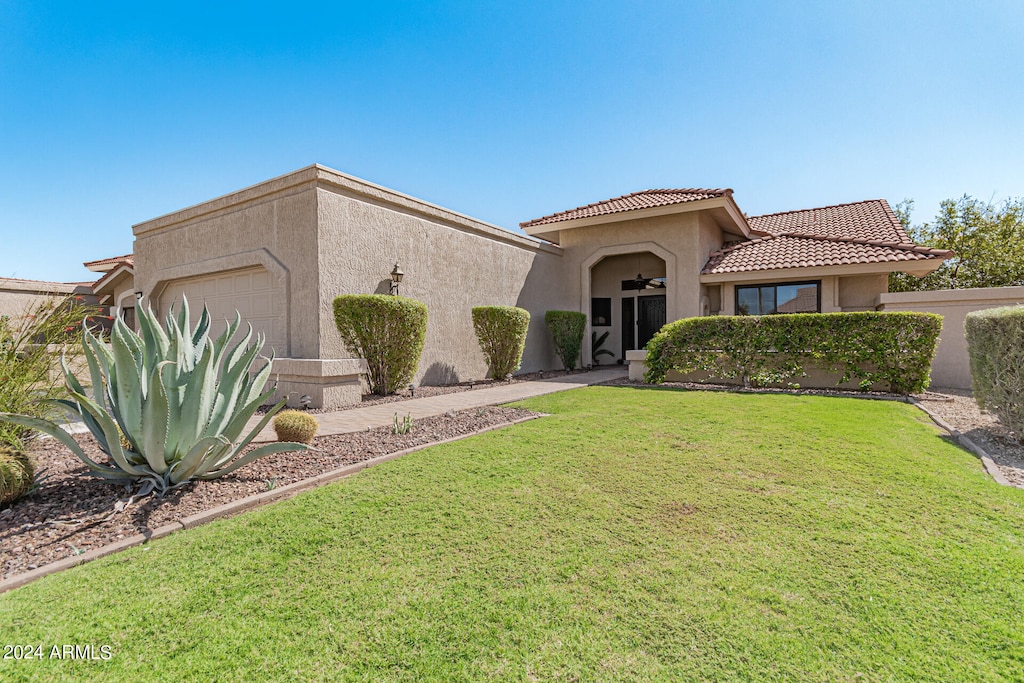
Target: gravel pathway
{"points": [[70, 514]]}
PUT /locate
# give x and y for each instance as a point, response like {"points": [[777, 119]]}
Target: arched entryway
{"points": [[628, 297]]}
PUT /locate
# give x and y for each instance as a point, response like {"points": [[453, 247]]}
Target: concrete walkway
{"points": [[383, 414]]}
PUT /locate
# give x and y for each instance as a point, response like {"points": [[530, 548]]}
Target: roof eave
{"points": [[550, 231], [917, 267]]}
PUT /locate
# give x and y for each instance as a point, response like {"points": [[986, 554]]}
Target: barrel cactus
{"points": [[156, 407], [16, 475], [295, 425]]}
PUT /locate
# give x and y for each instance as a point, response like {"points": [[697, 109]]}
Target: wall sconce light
{"points": [[396, 278], [138, 296]]}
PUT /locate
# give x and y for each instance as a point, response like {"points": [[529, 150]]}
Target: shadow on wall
{"points": [[440, 374], [383, 287], [545, 289]]}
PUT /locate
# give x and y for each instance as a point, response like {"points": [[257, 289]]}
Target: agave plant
{"points": [[156, 407]]}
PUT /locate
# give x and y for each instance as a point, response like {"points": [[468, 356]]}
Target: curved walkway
{"points": [[383, 414]]}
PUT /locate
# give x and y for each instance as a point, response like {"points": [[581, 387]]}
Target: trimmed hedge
{"points": [[501, 331], [995, 344], [567, 328], [388, 331], [894, 348]]}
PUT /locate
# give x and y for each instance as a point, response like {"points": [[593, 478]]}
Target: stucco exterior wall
{"points": [[951, 367], [271, 225], [320, 233], [19, 296], [450, 264]]}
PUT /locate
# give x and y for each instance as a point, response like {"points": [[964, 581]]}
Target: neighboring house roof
{"points": [[645, 199], [870, 220], [38, 286], [776, 252], [108, 264]]}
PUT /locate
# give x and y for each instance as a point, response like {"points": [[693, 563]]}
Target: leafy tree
{"points": [[988, 240]]}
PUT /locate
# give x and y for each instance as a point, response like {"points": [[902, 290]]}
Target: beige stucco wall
{"points": [[321, 233], [951, 367], [451, 264], [19, 296]]}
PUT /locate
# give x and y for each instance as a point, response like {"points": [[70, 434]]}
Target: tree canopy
{"points": [[988, 240]]}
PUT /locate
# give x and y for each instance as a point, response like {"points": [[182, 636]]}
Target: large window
{"points": [[786, 297]]}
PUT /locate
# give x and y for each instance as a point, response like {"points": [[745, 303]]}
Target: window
{"points": [[787, 297], [601, 312]]}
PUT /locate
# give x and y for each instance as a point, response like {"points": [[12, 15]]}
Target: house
{"points": [[280, 251]]}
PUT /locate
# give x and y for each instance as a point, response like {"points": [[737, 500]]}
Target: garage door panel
{"points": [[251, 292]]}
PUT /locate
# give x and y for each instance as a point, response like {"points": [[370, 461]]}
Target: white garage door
{"points": [[250, 291]]}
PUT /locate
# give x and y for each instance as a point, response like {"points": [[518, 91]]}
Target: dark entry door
{"points": [[628, 326], [651, 318]]}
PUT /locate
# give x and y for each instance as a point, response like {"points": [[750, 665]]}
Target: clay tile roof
{"points": [[645, 199], [113, 261], [775, 252], [868, 220]]}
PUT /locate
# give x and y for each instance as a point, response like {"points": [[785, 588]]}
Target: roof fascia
{"points": [[919, 267], [109, 278]]}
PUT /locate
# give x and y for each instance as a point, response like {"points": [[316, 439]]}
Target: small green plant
{"points": [[388, 332], [995, 344], [176, 398], [16, 474], [31, 345], [403, 427], [296, 425], [567, 328], [501, 331], [271, 483], [597, 346]]}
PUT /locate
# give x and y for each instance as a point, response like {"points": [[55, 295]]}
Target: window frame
{"points": [[776, 285]]}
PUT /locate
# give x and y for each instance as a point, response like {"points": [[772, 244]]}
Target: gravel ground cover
{"points": [[958, 408], [70, 514]]}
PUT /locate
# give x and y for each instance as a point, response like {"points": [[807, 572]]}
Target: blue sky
{"points": [[112, 114]]}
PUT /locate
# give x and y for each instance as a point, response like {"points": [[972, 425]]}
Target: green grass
{"points": [[633, 535]]}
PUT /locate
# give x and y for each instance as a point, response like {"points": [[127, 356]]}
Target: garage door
{"points": [[250, 291]]}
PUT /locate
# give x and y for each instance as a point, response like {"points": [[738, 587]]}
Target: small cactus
{"points": [[16, 475], [295, 425]]}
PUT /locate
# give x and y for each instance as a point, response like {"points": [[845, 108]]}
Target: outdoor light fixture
{"points": [[305, 400], [138, 296], [640, 282], [412, 390], [396, 278]]}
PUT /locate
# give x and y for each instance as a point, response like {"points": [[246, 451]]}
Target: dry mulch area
{"points": [[70, 513], [958, 408], [426, 391]]}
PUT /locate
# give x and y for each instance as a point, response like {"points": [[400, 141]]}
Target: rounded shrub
{"points": [[567, 328], [995, 344], [387, 331], [16, 474], [295, 426], [501, 331]]}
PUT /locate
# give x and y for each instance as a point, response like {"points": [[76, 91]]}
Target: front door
{"points": [[650, 318]]}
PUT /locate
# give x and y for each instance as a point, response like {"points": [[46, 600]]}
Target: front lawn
{"points": [[634, 534]]}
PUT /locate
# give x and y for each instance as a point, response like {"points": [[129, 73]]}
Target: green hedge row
{"points": [[868, 347], [388, 331], [995, 344], [501, 331]]}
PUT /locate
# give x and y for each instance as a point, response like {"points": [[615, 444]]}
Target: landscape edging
{"points": [[232, 508], [986, 460]]}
